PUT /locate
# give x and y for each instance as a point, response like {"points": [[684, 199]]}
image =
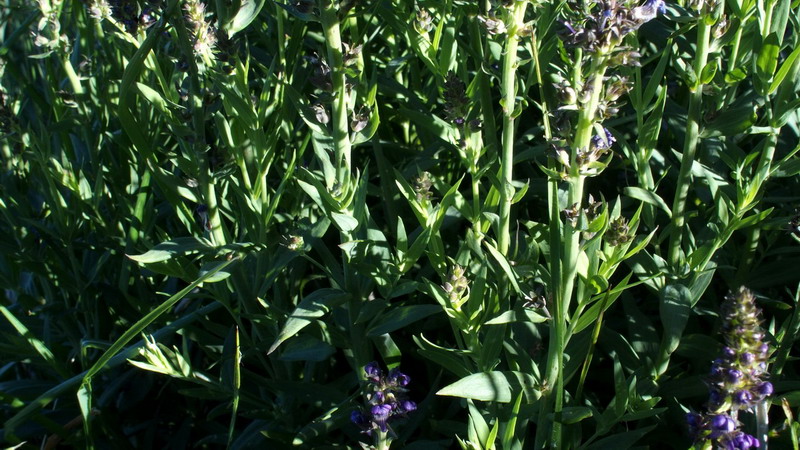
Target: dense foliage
{"points": [[419, 223]]}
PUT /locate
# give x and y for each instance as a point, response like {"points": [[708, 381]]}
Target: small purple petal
{"points": [[715, 397], [723, 423], [765, 389], [408, 406], [399, 378], [357, 417], [743, 397], [373, 371], [734, 375], [380, 414]]}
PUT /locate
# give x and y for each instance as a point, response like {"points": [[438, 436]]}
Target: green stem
{"points": [[382, 440], [341, 134], [690, 144], [589, 355], [509, 88], [74, 79], [567, 265], [583, 137]]}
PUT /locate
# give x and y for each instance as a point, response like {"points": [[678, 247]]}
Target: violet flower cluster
{"points": [[605, 28], [386, 399], [736, 382]]}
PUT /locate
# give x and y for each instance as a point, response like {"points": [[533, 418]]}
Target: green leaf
{"points": [[311, 308], [767, 60], [69, 385], [39, 346], [493, 386], [449, 359], [166, 250], [784, 70], [247, 12], [675, 309], [344, 222], [708, 72], [145, 321], [621, 441], [620, 389], [478, 428], [400, 317], [516, 316], [652, 126], [574, 414], [213, 268], [504, 265], [648, 197], [734, 76], [154, 98], [306, 348]]}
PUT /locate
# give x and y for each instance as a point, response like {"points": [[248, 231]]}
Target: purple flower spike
{"points": [[385, 399], [736, 384]]}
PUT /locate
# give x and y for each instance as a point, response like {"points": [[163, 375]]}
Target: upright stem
{"points": [[567, 265], [690, 143], [509, 88], [583, 137], [341, 134]]}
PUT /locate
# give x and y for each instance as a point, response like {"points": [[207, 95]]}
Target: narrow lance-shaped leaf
{"points": [[312, 307]]}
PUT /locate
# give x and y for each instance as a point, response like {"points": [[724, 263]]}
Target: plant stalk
{"points": [[509, 89], [341, 131], [690, 144]]}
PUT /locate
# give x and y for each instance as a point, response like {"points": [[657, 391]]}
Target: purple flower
{"points": [[358, 418], [765, 389], [570, 29], [648, 11], [734, 375], [721, 424], [380, 414], [695, 423], [386, 399], [740, 441], [373, 371], [715, 397], [408, 406], [743, 397], [602, 143], [398, 378], [747, 358]]}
